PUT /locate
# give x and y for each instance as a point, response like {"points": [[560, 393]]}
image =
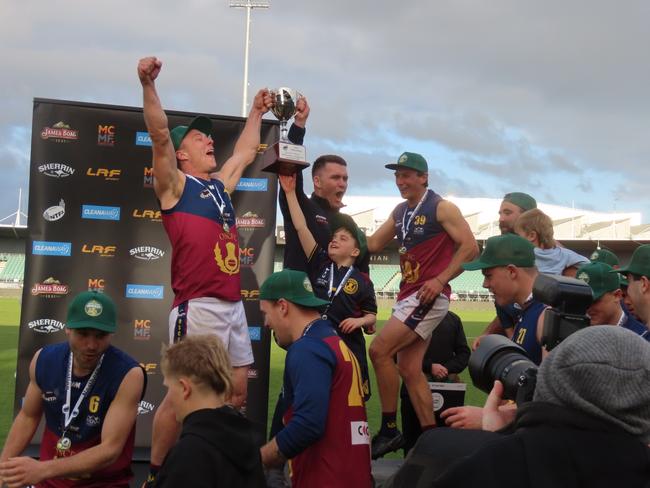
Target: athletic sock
{"points": [[388, 424]]}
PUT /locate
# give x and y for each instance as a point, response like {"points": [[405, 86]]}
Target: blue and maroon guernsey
{"points": [[85, 430], [205, 256], [326, 430], [429, 249]]}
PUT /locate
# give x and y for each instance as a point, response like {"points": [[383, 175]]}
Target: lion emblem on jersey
{"points": [[351, 286], [410, 271], [229, 264]]}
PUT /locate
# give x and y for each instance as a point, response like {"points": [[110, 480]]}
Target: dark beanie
{"points": [[604, 371]]}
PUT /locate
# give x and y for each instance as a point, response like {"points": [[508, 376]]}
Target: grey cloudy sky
{"points": [[545, 97]]}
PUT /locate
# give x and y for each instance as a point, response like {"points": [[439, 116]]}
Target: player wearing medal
{"points": [[434, 241], [336, 278], [199, 219], [89, 392]]}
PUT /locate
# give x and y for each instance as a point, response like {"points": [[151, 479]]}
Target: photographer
{"points": [[588, 424]]}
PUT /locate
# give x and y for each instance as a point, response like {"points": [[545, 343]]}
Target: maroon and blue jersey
{"points": [[525, 332], [85, 430], [428, 248], [205, 246], [326, 433]]}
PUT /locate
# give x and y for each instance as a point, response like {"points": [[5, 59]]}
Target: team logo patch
{"points": [[584, 277], [351, 286], [93, 308], [307, 284], [594, 255], [360, 433], [402, 159], [92, 420], [230, 264]]}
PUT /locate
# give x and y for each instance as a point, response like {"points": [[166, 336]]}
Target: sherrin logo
{"points": [[55, 212], [55, 170], [46, 326], [146, 253], [60, 132], [145, 408]]}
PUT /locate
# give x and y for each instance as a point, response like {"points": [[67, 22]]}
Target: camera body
{"points": [[499, 358]]}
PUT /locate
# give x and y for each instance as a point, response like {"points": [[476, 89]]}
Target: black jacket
{"points": [[556, 447], [216, 448]]}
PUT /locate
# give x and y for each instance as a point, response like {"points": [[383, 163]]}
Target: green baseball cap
{"points": [[599, 277], [200, 123], [523, 200], [504, 250], [639, 264], [294, 286], [410, 160], [338, 220], [92, 310], [604, 256]]}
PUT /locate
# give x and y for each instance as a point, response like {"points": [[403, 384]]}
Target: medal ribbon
{"points": [[70, 416], [406, 225], [331, 291], [221, 206]]}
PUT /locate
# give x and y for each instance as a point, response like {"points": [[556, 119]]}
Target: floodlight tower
{"points": [[248, 5]]}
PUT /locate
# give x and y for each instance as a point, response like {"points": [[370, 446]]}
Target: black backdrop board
{"points": [[94, 223]]}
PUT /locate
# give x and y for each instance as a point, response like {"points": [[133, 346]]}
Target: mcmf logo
{"points": [[106, 135], [106, 173], [96, 284], [60, 132], [252, 184], [142, 330], [46, 326], [247, 256], [55, 212], [152, 215], [146, 253], [142, 139], [50, 248], [255, 333], [100, 212], [151, 292], [55, 170], [103, 251], [148, 177], [145, 408]]}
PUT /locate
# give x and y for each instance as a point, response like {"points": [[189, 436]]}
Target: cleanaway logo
{"points": [[100, 212], [255, 333], [151, 292], [142, 139], [51, 248], [252, 184]]}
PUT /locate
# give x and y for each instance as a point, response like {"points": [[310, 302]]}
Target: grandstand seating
{"points": [[14, 267], [382, 275]]}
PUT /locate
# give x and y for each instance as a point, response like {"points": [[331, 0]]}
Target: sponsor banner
{"points": [[147, 181], [147, 214], [102, 250], [253, 184], [105, 135], [142, 139], [50, 288], [97, 284], [55, 170], [108, 174], [60, 132], [55, 212], [146, 253], [145, 407], [255, 333], [151, 292], [50, 248], [142, 329], [250, 220], [45, 326], [100, 212]]}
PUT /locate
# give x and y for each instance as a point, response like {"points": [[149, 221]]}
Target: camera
{"points": [[499, 358]]}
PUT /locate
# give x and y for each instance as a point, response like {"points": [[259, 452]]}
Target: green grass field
{"points": [[474, 321]]}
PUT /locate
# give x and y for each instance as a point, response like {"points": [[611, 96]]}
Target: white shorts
{"points": [[421, 319], [208, 315]]}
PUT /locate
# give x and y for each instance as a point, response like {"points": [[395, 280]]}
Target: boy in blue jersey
{"points": [[89, 392]]}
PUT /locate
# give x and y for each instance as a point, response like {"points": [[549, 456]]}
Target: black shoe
{"points": [[383, 444]]}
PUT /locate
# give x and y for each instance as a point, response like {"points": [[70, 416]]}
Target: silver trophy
{"points": [[284, 157]]}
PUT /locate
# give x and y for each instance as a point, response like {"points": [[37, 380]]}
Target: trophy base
{"points": [[284, 158]]}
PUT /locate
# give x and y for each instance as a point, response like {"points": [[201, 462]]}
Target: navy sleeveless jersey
{"points": [[85, 430], [525, 333], [205, 256]]}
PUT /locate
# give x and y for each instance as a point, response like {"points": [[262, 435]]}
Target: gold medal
{"points": [[226, 227], [63, 446], [402, 250]]}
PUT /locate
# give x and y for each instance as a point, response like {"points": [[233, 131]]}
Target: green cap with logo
{"points": [[504, 250], [410, 160], [294, 286], [200, 123], [92, 310], [338, 220], [599, 277], [639, 264], [604, 256], [523, 200]]}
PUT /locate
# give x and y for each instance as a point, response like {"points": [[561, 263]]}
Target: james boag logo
{"points": [[50, 288], [45, 326], [50, 248], [247, 256], [253, 184], [100, 212], [60, 132], [147, 182], [151, 292], [142, 139], [107, 173], [107, 251], [55, 212], [145, 408], [360, 433], [55, 170], [147, 214], [146, 253], [255, 333], [106, 135], [250, 295], [250, 220], [142, 329], [96, 284]]}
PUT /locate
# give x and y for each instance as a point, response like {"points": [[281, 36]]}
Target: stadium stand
{"points": [[12, 267], [381, 275]]}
